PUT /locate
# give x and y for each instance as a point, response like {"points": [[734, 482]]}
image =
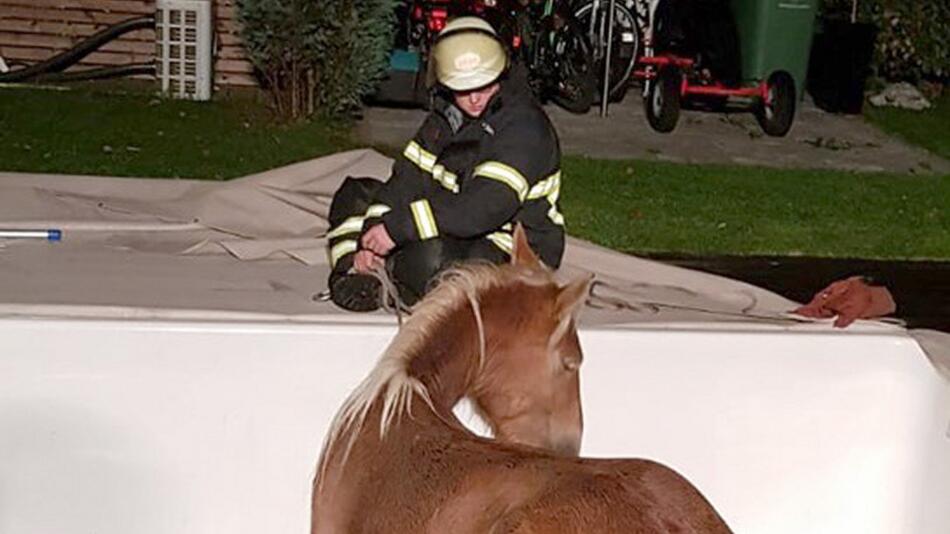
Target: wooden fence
{"points": [[34, 30]]}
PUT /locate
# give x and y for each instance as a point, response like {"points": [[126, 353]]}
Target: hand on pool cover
{"points": [[850, 299]]}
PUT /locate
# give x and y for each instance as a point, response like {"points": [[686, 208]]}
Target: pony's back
{"points": [[632, 496]]}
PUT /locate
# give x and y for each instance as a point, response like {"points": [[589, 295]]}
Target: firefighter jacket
{"points": [[475, 178]]}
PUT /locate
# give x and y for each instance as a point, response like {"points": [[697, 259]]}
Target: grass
{"points": [[131, 133], [633, 206], [929, 129], [650, 207]]}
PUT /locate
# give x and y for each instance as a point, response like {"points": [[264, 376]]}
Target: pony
{"points": [[396, 460]]}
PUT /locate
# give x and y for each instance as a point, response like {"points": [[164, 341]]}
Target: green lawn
{"points": [[634, 206], [640, 206], [929, 129], [132, 133]]}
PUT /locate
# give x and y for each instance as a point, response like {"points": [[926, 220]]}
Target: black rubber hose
{"points": [[64, 60], [96, 73]]}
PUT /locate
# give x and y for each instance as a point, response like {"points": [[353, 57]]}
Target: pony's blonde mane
{"points": [[390, 381]]}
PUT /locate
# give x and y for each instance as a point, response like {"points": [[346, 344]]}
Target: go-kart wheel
{"points": [[662, 101], [776, 113]]}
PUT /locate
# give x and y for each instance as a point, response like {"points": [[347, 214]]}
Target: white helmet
{"points": [[467, 55]]}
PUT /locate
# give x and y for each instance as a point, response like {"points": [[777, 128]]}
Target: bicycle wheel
{"points": [[569, 57], [626, 44]]}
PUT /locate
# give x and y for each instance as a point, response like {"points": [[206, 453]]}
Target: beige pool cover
{"points": [[253, 249]]}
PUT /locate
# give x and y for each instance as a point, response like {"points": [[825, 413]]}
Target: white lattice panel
{"points": [[183, 40]]}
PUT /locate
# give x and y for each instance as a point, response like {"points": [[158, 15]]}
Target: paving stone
{"points": [[817, 139]]}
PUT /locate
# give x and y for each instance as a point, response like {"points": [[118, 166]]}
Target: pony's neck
{"points": [[448, 362]]}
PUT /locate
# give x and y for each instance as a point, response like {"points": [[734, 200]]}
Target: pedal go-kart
{"points": [[691, 59]]}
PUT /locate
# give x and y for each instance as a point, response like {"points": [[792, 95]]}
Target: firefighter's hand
{"points": [[377, 239], [849, 299], [365, 261]]}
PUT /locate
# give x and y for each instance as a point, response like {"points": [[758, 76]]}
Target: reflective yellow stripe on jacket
{"points": [[377, 210], [424, 219], [550, 187], [351, 225], [505, 174], [448, 179], [354, 224], [426, 161]]}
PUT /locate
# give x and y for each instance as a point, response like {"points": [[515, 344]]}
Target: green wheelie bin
{"points": [[775, 42]]}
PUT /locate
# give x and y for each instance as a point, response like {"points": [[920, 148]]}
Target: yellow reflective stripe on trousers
{"points": [[341, 249], [425, 221], [502, 240], [504, 174]]}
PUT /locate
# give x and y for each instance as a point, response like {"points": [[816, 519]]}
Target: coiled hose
{"points": [[50, 69]]}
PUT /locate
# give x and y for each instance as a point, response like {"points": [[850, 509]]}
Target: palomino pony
{"points": [[397, 460]]}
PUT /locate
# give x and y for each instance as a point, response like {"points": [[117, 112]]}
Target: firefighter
{"points": [[485, 158]]}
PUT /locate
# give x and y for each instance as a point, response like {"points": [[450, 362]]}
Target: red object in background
{"points": [[437, 18], [760, 90], [431, 16]]}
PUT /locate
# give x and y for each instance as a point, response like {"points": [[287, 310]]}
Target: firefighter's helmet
{"points": [[468, 55]]}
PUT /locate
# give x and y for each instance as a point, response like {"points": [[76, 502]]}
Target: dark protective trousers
{"points": [[411, 266]]}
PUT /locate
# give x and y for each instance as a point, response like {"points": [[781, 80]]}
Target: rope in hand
{"points": [[389, 299]]}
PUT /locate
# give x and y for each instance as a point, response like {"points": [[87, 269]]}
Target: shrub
{"points": [[317, 56], [913, 41]]}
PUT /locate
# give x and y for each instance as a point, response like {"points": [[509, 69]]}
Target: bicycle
{"points": [[547, 40], [629, 21]]}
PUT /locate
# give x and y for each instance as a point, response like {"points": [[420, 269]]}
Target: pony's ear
{"points": [[573, 295], [569, 301], [521, 253]]}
